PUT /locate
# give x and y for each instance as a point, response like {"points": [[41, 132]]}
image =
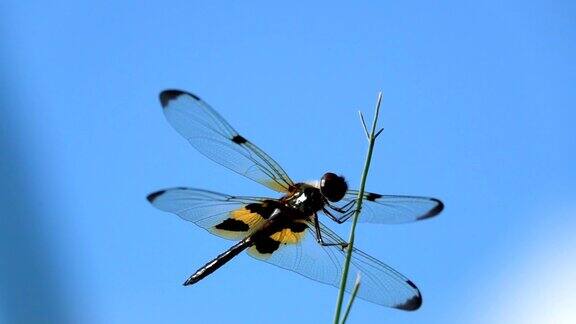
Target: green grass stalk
{"points": [[371, 140]]}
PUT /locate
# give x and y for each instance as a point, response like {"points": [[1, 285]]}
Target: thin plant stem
{"points": [[350, 247], [352, 298], [364, 126]]}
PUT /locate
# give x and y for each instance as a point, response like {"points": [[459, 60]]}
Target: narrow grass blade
{"points": [[352, 298]]}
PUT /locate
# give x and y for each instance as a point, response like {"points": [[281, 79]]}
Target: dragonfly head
{"points": [[333, 187]]}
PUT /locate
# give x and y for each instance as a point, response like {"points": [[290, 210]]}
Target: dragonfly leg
{"points": [[329, 214], [344, 208], [319, 235], [344, 217]]}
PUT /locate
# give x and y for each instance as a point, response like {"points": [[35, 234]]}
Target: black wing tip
{"points": [[238, 139], [151, 197], [168, 95], [412, 285], [434, 211], [373, 196], [414, 302], [411, 304], [189, 281]]}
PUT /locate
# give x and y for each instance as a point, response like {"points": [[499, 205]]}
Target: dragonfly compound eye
{"points": [[333, 187]]}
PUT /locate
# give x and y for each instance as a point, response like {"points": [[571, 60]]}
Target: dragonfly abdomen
{"points": [[219, 261]]}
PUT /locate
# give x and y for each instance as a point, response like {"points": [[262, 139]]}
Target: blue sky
{"points": [[478, 110]]}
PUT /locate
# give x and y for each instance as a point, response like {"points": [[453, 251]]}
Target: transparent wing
{"points": [[391, 209], [212, 136], [230, 217], [380, 284]]}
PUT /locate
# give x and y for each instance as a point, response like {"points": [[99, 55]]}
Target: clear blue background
{"points": [[478, 110]]}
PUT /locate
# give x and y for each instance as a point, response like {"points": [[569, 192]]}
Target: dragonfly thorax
{"points": [[306, 198]]}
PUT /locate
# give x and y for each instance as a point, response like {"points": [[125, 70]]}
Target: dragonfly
{"points": [[284, 231]]}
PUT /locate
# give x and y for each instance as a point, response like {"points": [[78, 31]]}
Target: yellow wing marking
{"points": [[240, 223], [248, 217], [287, 236], [265, 247]]}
